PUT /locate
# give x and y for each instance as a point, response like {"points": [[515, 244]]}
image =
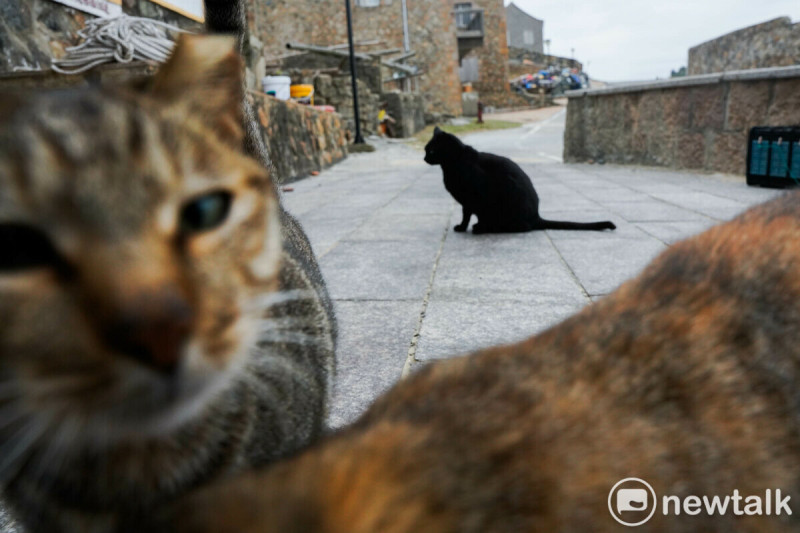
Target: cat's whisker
{"points": [[279, 324], [18, 446], [64, 385], [276, 336], [9, 391], [54, 458], [10, 414], [267, 301]]}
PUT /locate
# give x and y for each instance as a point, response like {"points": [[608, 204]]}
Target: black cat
{"points": [[492, 187]]}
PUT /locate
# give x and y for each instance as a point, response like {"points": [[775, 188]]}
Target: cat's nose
{"points": [[152, 328]]}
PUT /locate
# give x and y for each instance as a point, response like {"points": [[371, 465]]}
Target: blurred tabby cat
{"points": [[162, 318], [686, 377]]}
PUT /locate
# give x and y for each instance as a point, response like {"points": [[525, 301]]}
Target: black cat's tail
{"points": [[590, 226]]}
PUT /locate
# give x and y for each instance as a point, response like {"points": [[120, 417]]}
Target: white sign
{"points": [[101, 8], [192, 9]]}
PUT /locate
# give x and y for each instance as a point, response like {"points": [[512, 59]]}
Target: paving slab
{"points": [[457, 327], [370, 358], [379, 270]]}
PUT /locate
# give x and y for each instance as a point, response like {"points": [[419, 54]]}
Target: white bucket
{"points": [[277, 84]]}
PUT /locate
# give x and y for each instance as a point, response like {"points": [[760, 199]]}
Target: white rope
{"points": [[122, 39]]}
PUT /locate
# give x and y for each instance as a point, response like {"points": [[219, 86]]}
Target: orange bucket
{"points": [[302, 93]]}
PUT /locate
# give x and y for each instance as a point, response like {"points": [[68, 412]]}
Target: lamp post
{"points": [[359, 139]]}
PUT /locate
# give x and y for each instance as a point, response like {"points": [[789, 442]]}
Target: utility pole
{"points": [[359, 139]]}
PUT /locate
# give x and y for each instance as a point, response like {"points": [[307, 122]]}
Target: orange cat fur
{"points": [[686, 377]]}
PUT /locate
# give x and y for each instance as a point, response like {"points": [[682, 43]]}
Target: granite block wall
{"points": [[775, 43], [300, 138], [408, 111], [699, 122]]}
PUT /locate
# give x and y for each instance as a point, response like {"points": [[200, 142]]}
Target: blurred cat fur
{"points": [[162, 319], [685, 376]]}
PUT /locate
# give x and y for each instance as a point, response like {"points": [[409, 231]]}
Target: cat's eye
{"points": [[24, 247], [205, 212]]}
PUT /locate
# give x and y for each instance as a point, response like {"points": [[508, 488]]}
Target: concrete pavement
{"points": [[408, 290]]}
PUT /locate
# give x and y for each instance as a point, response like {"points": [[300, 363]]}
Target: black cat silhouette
{"points": [[493, 188]]}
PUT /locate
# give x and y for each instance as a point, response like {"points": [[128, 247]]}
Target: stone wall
{"points": [[34, 32], [407, 110], [300, 138], [338, 92], [431, 36], [695, 122], [775, 43]]}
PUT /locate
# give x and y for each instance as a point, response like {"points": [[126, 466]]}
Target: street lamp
{"points": [[359, 139]]}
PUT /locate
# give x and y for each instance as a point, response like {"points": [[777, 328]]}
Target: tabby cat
{"points": [[162, 319], [493, 188], [686, 377]]}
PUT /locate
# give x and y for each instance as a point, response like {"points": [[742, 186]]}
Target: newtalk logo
{"points": [[632, 502]]}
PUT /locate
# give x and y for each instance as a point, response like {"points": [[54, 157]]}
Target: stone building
{"points": [[524, 31], [775, 43], [483, 49], [431, 36]]}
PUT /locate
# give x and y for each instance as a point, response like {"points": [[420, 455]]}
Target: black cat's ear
{"points": [[437, 131]]}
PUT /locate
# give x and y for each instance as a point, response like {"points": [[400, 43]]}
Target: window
{"points": [[527, 36], [463, 14]]}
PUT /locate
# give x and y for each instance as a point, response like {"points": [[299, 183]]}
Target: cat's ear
{"points": [[437, 131], [204, 76]]}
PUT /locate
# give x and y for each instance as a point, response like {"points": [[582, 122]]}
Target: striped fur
{"points": [[92, 433], [686, 377]]}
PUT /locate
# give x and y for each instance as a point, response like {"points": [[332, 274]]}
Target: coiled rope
{"points": [[122, 39]]}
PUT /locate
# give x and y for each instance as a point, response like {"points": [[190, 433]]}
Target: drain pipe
{"points": [[406, 44]]}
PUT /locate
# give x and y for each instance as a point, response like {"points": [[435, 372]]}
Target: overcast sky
{"points": [[620, 40]]}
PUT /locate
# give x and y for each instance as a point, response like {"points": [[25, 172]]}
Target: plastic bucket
{"points": [[299, 91], [277, 84], [302, 93]]}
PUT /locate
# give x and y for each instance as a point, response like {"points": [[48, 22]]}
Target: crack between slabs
{"points": [[411, 357]]}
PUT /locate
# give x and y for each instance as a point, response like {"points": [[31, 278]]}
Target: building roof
{"points": [[512, 4]]}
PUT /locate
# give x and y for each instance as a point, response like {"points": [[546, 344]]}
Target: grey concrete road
{"points": [[408, 290]]}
